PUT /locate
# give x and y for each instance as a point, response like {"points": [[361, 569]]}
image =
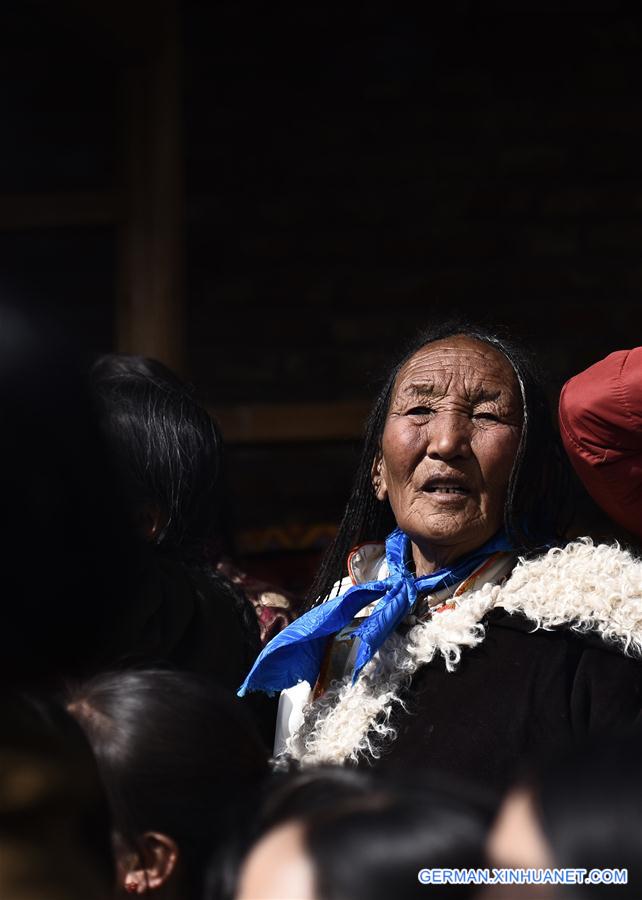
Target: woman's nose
{"points": [[449, 437]]}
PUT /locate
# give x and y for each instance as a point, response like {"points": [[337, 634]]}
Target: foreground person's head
{"points": [[55, 829], [582, 811], [349, 836], [459, 444], [179, 763]]}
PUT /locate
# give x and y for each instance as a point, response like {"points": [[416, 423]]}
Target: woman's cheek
{"points": [[403, 447]]}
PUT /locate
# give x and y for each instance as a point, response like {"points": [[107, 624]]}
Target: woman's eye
{"points": [[418, 411], [486, 416]]}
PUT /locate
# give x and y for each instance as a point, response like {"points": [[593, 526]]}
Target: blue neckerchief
{"points": [[296, 653]]}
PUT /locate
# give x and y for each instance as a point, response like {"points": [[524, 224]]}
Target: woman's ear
{"points": [[152, 866], [378, 477], [151, 522]]}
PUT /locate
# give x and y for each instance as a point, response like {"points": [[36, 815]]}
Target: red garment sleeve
{"points": [[600, 417]]}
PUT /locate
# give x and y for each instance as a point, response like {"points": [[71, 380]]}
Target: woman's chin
{"points": [[449, 531]]}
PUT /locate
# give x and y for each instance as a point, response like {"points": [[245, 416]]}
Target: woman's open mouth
{"points": [[446, 486], [440, 489]]}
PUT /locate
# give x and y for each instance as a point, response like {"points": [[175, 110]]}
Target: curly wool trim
{"points": [[582, 586], [587, 587]]}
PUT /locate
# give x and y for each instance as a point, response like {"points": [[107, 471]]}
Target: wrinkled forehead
{"points": [[462, 364]]}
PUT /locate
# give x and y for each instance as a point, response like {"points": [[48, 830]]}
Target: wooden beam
{"points": [[21, 211], [149, 309], [283, 422]]}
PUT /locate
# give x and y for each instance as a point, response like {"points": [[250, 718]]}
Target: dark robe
{"points": [[519, 696]]}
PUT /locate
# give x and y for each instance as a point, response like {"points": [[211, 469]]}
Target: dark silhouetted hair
{"points": [[169, 453], [374, 848], [168, 449], [590, 808], [176, 755], [538, 496], [369, 835]]}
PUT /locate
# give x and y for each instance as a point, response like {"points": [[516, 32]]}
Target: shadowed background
{"points": [[272, 198]]}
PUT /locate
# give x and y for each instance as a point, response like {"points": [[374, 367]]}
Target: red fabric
{"points": [[600, 416]]}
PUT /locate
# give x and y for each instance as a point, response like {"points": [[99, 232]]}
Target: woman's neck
{"points": [[431, 558]]}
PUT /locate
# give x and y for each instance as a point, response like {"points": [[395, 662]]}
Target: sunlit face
{"points": [[278, 867], [516, 839], [449, 443]]}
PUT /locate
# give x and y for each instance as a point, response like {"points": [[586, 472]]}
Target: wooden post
{"points": [[150, 279]]}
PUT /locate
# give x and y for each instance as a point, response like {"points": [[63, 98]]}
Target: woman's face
{"points": [[516, 839], [278, 867], [449, 444]]}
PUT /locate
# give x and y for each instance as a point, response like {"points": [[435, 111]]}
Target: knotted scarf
{"points": [[296, 653]]}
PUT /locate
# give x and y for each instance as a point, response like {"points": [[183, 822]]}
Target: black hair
{"points": [[538, 497], [286, 795], [589, 805], [176, 754], [369, 834], [168, 448], [373, 848], [170, 454]]}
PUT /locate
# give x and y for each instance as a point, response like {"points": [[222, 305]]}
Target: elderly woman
{"points": [[442, 646]]}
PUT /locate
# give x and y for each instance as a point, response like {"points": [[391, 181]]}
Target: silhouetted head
{"points": [[582, 810], [180, 764], [55, 825], [346, 835], [168, 450]]}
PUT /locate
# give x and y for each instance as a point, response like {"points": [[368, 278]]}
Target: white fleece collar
{"points": [[585, 587]]}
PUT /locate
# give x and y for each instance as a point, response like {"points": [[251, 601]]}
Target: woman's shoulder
{"points": [[366, 562], [593, 589]]}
